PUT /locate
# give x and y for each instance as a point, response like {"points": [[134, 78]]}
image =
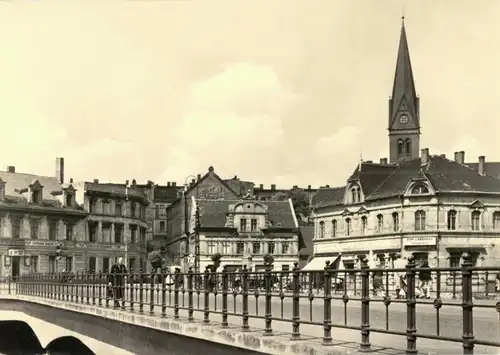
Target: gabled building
{"points": [[415, 204]]}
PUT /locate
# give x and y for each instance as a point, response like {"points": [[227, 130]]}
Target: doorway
{"points": [[16, 266]]}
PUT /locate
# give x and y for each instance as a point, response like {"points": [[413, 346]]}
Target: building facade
{"points": [[418, 204], [37, 214]]}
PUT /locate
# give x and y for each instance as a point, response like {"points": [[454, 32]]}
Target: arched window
{"points": [[355, 194], [395, 222], [420, 220], [401, 147], [348, 226], [407, 146], [476, 220], [452, 220], [419, 189], [380, 223], [364, 224], [496, 220], [321, 229], [334, 228]]}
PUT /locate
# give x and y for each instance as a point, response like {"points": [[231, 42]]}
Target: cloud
{"points": [[231, 119]]}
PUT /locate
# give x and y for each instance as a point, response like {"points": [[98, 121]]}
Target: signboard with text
{"points": [[420, 241]]}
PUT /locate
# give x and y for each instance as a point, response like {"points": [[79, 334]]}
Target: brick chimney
{"points": [[460, 157], [96, 181], [309, 187], [174, 184], [481, 167], [327, 186], [198, 177], [261, 186], [60, 170], [11, 169], [383, 161], [168, 183], [273, 187], [424, 156]]}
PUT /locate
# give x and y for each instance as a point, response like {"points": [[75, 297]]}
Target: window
{"points": [[143, 236], [348, 226], [395, 222], [420, 220], [37, 196], [476, 220], [118, 209], [240, 248], [243, 225], [321, 229], [132, 209], [16, 227], [334, 228], [271, 248], [118, 233], [256, 247], [401, 148], [355, 194], [253, 224], [34, 264], [455, 259], [285, 267], [105, 265], [105, 207], [69, 199], [133, 234], [162, 226], [226, 248], [52, 264], [106, 233], [496, 220], [131, 264], [92, 205], [52, 229], [157, 211], [92, 264], [92, 232], [364, 223], [380, 223], [285, 247], [211, 248], [69, 264], [452, 220], [407, 146], [69, 231], [34, 228], [420, 190]]}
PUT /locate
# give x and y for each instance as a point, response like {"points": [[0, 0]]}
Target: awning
{"points": [[319, 263]]}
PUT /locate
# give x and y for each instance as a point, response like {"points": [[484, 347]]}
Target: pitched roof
{"points": [[213, 212], [490, 168], [371, 175], [445, 176], [114, 189], [238, 186], [17, 182], [307, 236], [166, 193]]}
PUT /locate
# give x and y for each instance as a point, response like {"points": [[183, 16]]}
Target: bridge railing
{"points": [[303, 298]]}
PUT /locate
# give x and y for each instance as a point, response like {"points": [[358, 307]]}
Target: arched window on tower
{"points": [[408, 146], [401, 147]]}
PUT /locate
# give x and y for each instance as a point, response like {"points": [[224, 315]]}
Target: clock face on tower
{"points": [[403, 119]]}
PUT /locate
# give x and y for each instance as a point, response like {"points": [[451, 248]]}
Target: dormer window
{"points": [[2, 190], [36, 192], [69, 196], [420, 189], [355, 194]]}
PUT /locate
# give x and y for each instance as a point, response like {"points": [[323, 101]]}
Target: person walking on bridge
{"points": [[116, 281]]}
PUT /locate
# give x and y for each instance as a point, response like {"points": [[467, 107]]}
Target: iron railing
{"points": [[304, 298]]}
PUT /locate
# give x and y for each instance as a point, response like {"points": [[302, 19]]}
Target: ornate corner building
{"points": [[419, 204]]}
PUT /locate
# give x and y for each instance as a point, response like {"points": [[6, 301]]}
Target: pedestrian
{"points": [[425, 278], [400, 276], [116, 281], [497, 285]]}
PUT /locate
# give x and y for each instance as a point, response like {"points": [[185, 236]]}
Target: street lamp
{"points": [[197, 224]]}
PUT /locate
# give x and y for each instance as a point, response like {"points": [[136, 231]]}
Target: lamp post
{"points": [[125, 239], [197, 225]]}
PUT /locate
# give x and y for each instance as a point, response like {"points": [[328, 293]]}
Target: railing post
{"points": [[87, 286], [131, 282], [176, 292], [244, 297], [206, 290], [411, 303], [296, 302], [190, 295], [225, 291], [152, 293], [327, 306], [365, 304], [141, 291], [164, 294], [467, 306], [268, 284], [99, 288]]}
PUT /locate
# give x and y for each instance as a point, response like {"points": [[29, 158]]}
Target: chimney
{"points": [[461, 157], [193, 181], [96, 181], [11, 169], [198, 177], [295, 186], [424, 156], [126, 182], [168, 183], [174, 184], [327, 186], [235, 177], [383, 161], [309, 187], [369, 161], [60, 170], [70, 180], [261, 186], [273, 187], [455, 157], [443, 156], [481, 168]]}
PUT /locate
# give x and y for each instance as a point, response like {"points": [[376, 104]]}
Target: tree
{"points": [[300, 201]]}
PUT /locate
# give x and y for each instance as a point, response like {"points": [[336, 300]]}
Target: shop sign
{"points": [[16, 252], [420, 241]]}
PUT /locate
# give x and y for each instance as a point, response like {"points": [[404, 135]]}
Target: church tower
{"points": [[404, 120]]}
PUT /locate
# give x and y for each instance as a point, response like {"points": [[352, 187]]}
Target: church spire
{"points": [[404, 96]]}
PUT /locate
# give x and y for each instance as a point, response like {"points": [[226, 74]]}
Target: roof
{"points": [[114, 189], [238, 186], [213, 212], [17, 182], [307, 236], [166, 193], [378, 183], [490, 168]]}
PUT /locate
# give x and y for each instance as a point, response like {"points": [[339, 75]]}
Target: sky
{"points": [[285, 92]]}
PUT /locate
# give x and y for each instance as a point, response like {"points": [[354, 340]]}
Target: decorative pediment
{"points": [[362, 210], [346, 212], [35, 185], [69, 188], [476, 204]]}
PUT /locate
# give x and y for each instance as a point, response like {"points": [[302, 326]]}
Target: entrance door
{"points": [[16, 266]]}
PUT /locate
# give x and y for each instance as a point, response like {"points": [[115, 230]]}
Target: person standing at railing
{"points": [[400, 276], [425, 279], [116, 281]]}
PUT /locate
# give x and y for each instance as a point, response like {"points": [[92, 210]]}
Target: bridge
{"points": [[271, 312]]}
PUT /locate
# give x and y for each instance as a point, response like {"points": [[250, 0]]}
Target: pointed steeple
{"points": [[404, 96]]}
